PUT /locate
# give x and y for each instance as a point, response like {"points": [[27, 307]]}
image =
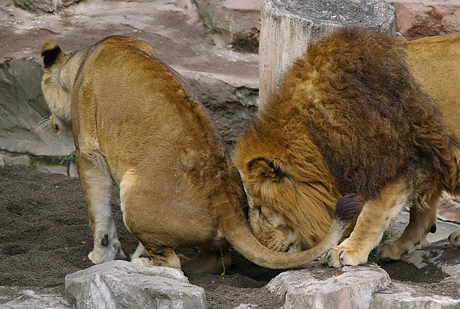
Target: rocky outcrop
{"points": [[23, 108], [351, 287], [367, 286]]}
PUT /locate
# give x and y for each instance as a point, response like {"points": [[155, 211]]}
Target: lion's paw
{"points": [[390, 249], [394, 248], [454, 238], [142, 261], [339, 256], [102, 254]]}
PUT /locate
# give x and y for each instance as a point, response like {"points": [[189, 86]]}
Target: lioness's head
{"points": [[57, 84]]}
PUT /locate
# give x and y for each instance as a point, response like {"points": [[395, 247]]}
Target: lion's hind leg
{"points": [[422, 222], [372, 222]]}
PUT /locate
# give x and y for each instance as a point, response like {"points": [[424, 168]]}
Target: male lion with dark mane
{"points": [[352, 116], [136, 121]]}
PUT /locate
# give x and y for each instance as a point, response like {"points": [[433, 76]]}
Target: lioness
{"points": [[353, 116], [136, 121]]}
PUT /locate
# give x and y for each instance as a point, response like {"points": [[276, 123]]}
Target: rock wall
{"points": [[416, 19], [225, 80]]}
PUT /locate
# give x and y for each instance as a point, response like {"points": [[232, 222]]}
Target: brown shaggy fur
{"points": [[367, 108], [348, 118]]}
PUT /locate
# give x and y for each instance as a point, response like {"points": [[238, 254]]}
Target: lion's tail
{"points": [[240, 236]]}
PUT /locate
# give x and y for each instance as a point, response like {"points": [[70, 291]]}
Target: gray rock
{"points": [[235, 22], [121, 284], [20, 298], [404, 300], [44, 6], [22, 107], [231, 101], [351, 289]]}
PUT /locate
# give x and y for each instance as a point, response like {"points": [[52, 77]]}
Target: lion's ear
{"points": [[265, 168], [50, 53]]}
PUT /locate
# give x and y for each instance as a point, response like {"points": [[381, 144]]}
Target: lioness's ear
{"points": [[50, 53], [266, 169]]}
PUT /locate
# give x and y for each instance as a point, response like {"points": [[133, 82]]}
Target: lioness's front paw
{"points": [[454, 238], [339, 256]]}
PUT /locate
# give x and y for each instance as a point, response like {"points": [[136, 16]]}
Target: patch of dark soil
{"points": [[399, 270]]}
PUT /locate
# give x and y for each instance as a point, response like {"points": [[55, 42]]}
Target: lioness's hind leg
{"points": [[372, 222], [422, 222], [211, 259], [96, 183], [159, 256]]}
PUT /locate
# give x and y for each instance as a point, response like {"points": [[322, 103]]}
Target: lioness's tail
{"points": [[239, 235]]}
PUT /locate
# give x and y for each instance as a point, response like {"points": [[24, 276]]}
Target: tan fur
{"points": [[136, 121], [349, 117]]}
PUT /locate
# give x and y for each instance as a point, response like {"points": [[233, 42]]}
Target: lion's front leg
{"points": [[97, 187], [369, 228], [422, 222]]}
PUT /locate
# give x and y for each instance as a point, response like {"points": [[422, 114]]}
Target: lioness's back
{"points": [[155, 114]]}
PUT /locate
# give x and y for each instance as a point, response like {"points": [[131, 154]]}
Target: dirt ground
{"points": [[45, 235]]}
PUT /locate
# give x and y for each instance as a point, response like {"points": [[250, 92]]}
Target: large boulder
{"points": [[369, 286], [121, 284], [317, 287]]}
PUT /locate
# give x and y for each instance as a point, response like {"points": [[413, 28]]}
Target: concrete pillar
{"points": [[289, 26]]}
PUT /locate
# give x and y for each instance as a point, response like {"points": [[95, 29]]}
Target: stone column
{"points": [[289, 26]]}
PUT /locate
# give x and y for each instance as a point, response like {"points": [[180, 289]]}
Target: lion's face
{"points": [[266, 188], [270, 227], [292, 200]]}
